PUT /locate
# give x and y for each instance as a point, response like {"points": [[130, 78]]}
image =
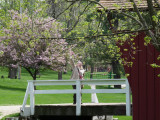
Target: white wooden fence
{"points": [[30, 90]]}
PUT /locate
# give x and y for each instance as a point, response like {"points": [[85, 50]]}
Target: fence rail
{"points": [[30, 90]]}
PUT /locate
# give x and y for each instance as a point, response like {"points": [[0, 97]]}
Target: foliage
{"points": [[20, 6], [113, 22], [84, 27], [21, 43]]}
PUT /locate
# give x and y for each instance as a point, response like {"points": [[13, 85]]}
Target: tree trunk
{"points": [[34, 78], [92, 70], [12, 73], [116, 71], [19, 72], [60, 75]]}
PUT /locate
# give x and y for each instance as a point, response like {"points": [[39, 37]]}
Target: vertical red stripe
{"points": [[157, 88], [142, 79], [150, 84], [135, 80]]}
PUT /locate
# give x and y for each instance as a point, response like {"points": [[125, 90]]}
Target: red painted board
{"points": [[150, 83], [142, 78]]}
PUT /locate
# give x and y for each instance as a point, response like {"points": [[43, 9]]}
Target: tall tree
{"points": [[128, 21], [21, 44]]}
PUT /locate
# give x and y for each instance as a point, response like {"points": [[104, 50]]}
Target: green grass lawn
{"points": [[123, 117], [13, 90]]}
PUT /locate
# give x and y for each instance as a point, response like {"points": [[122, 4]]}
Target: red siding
{"points": [[145, 84]]}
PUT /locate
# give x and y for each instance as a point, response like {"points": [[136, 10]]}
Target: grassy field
{"points": [[13, 90], [123, 117]]}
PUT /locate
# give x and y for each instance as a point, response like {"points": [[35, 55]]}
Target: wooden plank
{"points": [[83, 91], [104, 82], [84, 82], [32, 98], [54, 91], [142, 79], [134, 78], [104, 91], [25, 97], [126, 56], [150, 83], [157, 89], [78, 98], [128, 99], [53, 82], [110, 4]]}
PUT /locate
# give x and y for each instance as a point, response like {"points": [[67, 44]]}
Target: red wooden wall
{"points": [[143, 79]]}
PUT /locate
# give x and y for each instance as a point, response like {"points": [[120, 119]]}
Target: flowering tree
{"points": [[21, 44]]}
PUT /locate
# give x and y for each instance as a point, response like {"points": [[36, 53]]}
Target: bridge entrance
{"points": [[89, 109]]}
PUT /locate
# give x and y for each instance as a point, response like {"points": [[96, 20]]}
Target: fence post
{"points": [[128, 99], [78, 97], [32, 99]]}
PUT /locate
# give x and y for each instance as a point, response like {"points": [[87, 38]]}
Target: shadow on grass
{"points": [[12, 88]]}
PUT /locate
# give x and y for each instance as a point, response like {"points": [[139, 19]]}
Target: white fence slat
{"points": [[104, 91], [104, 82], [55, 91], [78, 98], [55, 82], [32, 98], [25, 97], [128, 99]]}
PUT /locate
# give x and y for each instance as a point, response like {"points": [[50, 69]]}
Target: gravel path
{"points": [[6, 110]]}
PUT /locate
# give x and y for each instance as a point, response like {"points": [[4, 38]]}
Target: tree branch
{"points": [[133, 18], [139, 15], [100, 35], [28, 69], [59, 13], [79, 18], [149, 32], [89, 1], [151, 12]]}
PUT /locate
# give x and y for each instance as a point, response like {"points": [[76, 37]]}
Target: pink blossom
{"points": [[22, 45]]}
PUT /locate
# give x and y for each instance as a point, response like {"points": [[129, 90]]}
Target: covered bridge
{"points": [[143, 79]]}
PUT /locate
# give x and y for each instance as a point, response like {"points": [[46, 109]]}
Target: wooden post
{"points": [[32, 99], [128, 99], [78, 97]]}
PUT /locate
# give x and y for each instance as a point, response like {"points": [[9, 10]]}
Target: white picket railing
{"points": [[30, 90]]}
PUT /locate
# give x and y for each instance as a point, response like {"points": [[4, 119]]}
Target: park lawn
{"points": [[12, 91], [123, 117]]}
